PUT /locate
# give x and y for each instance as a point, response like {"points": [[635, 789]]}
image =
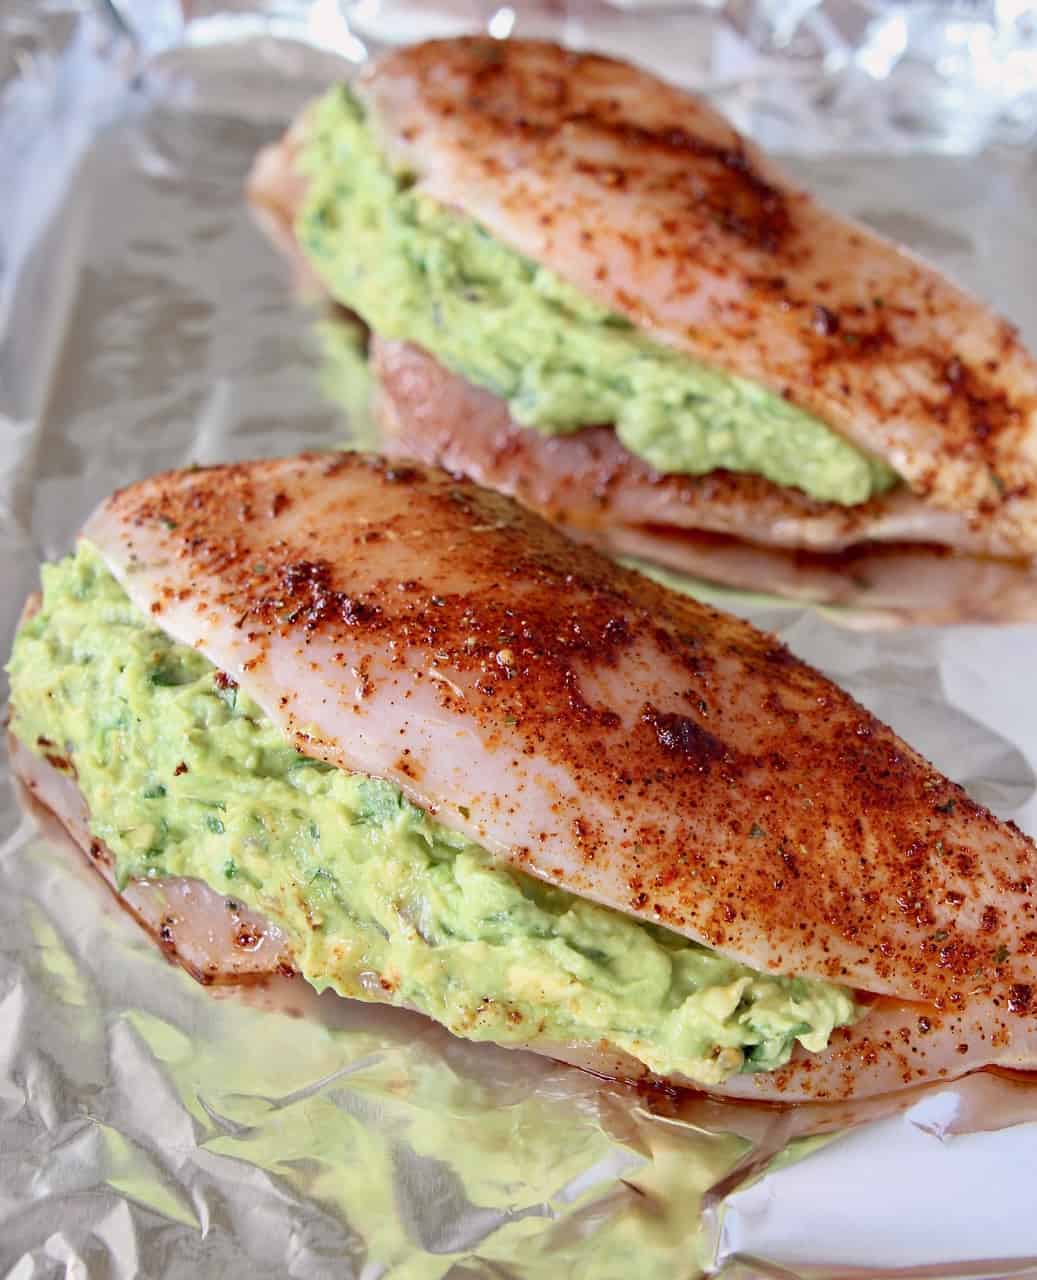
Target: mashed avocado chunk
{"points": [[185, 776], [419, 273]]}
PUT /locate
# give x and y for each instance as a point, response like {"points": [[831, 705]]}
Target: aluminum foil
{"points": [[148, 1127]]}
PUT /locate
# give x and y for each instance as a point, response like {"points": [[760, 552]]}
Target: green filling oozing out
{"points": [[346, 375], [184, 777], [419, 273]]}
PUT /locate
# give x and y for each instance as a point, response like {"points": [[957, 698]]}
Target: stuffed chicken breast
{"points": [[576, 247], [374, 724]]}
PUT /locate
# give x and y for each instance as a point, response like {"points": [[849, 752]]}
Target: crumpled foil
{"points": [[150, 1127]]}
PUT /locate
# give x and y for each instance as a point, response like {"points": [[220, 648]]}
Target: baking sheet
{"points": [[150, 1128]]}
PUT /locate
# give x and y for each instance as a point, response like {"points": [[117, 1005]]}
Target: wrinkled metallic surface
{"points": [[148, 1127]]}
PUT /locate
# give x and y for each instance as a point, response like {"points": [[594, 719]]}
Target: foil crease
{"points": [[150, 1127]]}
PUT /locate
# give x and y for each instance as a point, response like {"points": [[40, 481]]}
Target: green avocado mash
{"points": [[184, 775], [417, 272], [346, 375]]}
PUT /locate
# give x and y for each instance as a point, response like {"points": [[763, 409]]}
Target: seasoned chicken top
{"points": [[649, 202], [578, 720]]}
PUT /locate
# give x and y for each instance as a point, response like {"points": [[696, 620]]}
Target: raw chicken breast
{"points": [[647, 201], [593, 729], [577, 720]]}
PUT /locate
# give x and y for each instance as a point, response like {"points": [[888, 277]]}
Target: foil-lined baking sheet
{"points": [[149, 1127]]}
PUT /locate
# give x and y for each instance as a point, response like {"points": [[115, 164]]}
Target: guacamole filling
{"points": [[185, 776], [419, 273], [346, 375]]}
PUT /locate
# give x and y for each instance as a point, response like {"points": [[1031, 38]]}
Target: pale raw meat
{"points": [[591, 728], [215, 937], [576, 719], [646, 200]]}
